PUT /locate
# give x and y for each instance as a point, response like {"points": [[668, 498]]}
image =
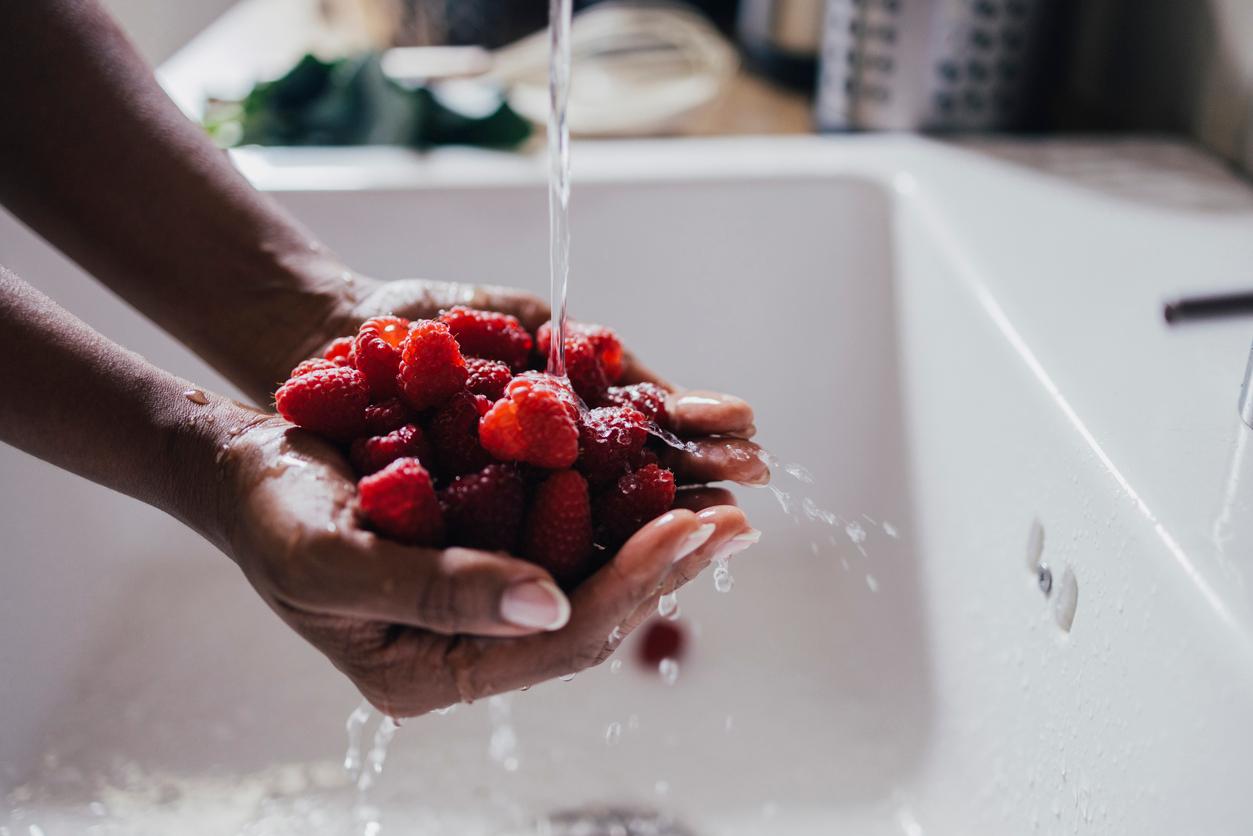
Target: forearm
{"points": [[100, 162], [79, 401]]}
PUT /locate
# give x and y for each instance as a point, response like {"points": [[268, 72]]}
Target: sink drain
{"points": [[611, 821]]}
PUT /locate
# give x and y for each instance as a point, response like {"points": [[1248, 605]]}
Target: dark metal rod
{"points": [[1208, 307]]}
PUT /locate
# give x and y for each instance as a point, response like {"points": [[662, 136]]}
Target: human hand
{"points": [[418, 629]]}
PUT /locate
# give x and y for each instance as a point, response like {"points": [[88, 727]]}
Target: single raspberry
{"points": [[369, 455], [377, 352], [399, 501], [584, 369], [648, 398], [636, 498], [385, 416], [490, 335], [312, 365], [558, 531], [610, 438], [487, 377], [330, 402], [339, 352], [606, 343], [453, 432], [484, 510], [661, 640], [536, 422], [431, 367]]}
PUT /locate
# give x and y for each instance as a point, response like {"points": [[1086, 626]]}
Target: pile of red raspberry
{"points": [[459, 440]]}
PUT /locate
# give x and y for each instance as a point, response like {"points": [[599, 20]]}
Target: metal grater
{"points": [[960, 65]]}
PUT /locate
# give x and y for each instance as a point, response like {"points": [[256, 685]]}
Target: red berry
{"points": [[648, 398], [330, 402], [606, 343], [536, 422], [487, 377], [558, 532], [377, 352], [484, 510], [381, 418], [490, 335], [399, 501], [637, 497], [610, 438], [373, 454], [312, 365], [339, 352], [453, 432], [431, 367], [584, 369], [661, 640]]}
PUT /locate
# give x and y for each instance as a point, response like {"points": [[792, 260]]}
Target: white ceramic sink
{"points": [[955, 343]]}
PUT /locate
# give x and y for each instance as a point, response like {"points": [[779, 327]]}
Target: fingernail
{"points": [[738, 543], [694, 541], [535, 604]]}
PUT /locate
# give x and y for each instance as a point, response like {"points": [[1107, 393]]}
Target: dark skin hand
{"points": [[154, 211]]}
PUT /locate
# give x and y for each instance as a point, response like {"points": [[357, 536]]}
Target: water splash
{"points": [[672, 440], [503, 747]]}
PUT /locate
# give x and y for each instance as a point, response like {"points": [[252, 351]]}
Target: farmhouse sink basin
{"points": [[961, 344]]}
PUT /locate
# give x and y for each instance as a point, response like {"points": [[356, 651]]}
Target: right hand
{"points": [[419, 629]]}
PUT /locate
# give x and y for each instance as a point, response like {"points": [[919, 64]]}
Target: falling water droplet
{"points": [[669, 670], [196, 396], [890, 530], [615, 666], [356, 723], [667, 604], [872, 583], [799, 472], [723, 581], [855, 533], [613, 733]]}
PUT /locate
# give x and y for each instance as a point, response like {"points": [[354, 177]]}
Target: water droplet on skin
{"points": [[613, 734], [567, 677], [196, 396], [348, 278], [615, 666], [449, 709], [669, 670], [525, 688], [871, 583], [615, 636], [667, 604]]}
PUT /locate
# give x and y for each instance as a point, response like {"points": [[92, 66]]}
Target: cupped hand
{"points": [[418, 629]]}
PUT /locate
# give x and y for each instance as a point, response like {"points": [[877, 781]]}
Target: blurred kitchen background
{"points": [[746, 66]]}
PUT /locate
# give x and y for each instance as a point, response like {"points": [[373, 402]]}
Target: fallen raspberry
{"points": [[339, 352], [377, 352], [489, 335], [312, 365], [385, 416], [660, 640], [558, 532], [487, 377], [484, 510], [536, 422], [369, 455], [610, 439], [453, 432], [399, 501], [605, 342], [431, 367], [648, 398], [635, 499], [330, 402]]}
